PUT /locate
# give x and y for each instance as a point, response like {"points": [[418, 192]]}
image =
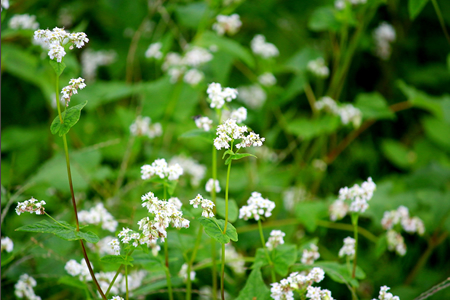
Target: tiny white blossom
{"points": [[396, 242], [267, 79], [98, 215], [384, 295], [240, 115], [227, 24], [191, 167], [256, 207], [196, 56], [210, 184], [143, 126], [91, 60], [218, 96], [383, 35], [261, 47], [154, 51], [193, 77], [7, 244], [207, 205], [318, 68], [24, 21], [234, 259], [311, 255], [32, 206], [183, 273], [349, 248], [160, 168], [24, 287], [72, 88], [203, 123], [275, 239], [253, 96]]}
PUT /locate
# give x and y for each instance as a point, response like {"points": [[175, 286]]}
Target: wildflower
{"points": [[98, 215], [193, 77], [154, 51], [267, 79], [191, 167], [72, 88], [24, 287], [91, 60], [316, 293], [383, 35], [115, 246], [384, 295], [183, 272], [160, 168], [196, 56], [256, 207], [340, 4], [261, 47], [32, 205], [230, 131], [240, 114], [218, 96], [143, 126], [5, 4], [203, 123], [24, 21], [296, 281], [348, 248], [396, 242], [207, 205], [328, 104], [275, 239], [338, 210], [253, 96], [103, 246], [311, 255], [227, 24], [78, 269], [7, 244], [318, 68], [210, 184], [401, 215], [234, 259]]}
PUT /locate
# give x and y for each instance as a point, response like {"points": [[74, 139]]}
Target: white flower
{"points": [[384, 295], [171, 60], [349, 113], [143, 126], [261, 47], [5, 4], [183, 272], [383, 35], [98, 215], [191, 167], [160, 168], [115, 246], [207, 205], [196, 57], [210, 184], [234, 259], [91, 60], [193, 77], [318, 68], [328, 104], [203, 123], [32, 206], [340, 4], [298, 281], [230, 131], [256, 207], [316, 293], [72, 88], [396, 242], [311, 255], [401, 215], [240, 115], [56, 51], [24, 21], [7, 244], [348, 248], [267, 79], [227, 24], [218, 96], [275, 239], [358, 196], [78, 269], [253, 96], [24, 287], [154, 51]]}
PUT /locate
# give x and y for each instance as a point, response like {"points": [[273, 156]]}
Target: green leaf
{"points": [[207, 136], [58, 67], [254, 288], [233, 209], [438, 131], [230, 152], [283, 257], [70, 118], [381, 246], [117, 259], [214, 228], [62, 230], [415, 7], [373, 106], [72, 281], [308, 213], [337, 272], [421, 99], [310, 128], [323, 19], [171, 185], [398, 154], [6, 259], [260, 259], [237, 156]]}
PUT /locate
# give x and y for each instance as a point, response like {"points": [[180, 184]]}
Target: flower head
{"points": [[275, 239], [143, 126], [262, 48], [32, 206], [227, 24], [218, 96], [207, 205], [256, 207], [7, 244], [349, 248], [203, 123], [311, 255], [72, 88], [318, 68], [160, 168], [210, 184]]}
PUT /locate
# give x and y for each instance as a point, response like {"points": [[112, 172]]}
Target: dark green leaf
{"points": [[415, 7], [381, 246], [230, 152], [70, 118], [254, 288], [373, 106], [398, 154], [117, 259], [233, 209], [214, 228], [58, 67]]}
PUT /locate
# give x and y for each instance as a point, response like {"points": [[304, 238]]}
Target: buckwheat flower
{"points": [[252, 139], [116, 298], [234, 259], [32, 206], [196, 57], [135, 279], [318, 68], [154, 51], [24, 288], [191, 167], [384, 295], [207, 205], [183, 272], [316, 293], [72, 88], [253, 96], [128, 236], [203, 123], [175, 202], [396, 242], [160, 168], [143, 126], [256, 207], [5, 4], [227, 24], [98, 215], [275, 239], [24, 21], [73, 268], [281, 291], [413, 225], [328, 104], [210, 184], [56, 51], [7, 244], [171, 60], [92, 60], [218, 96], [193, 77], [240, 114], [349, 113], [267, 79], [102, 247], [262, 48], [348, 249], [311, 255], [115, 246], [383, 35], [227, 132], [358, 196]]}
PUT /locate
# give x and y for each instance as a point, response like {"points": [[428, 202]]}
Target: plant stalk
{"points": [[191, 262], [261, 234], [213, 242]]}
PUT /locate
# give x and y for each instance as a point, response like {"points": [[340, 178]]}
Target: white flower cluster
{"points": [[160, 168], [5, 4], [227, 24], [91, 60], [154, 51], [267, 79], [396, 242], [183, 273], [207, 205], [191, 167], [143, 126], [57, 39], [81, 270], [383, 35], [230, 131], [72, 88], [349, 248], [292, 196], [165, 213], [115, 246], [218, 96], [240, 114], [340, 4], [7, 244], [98, 215], [203, 123], [284, 290], [104, 246], [318, 68], [316, 293], [24, 287], [319, 165], [275, 239], [311, 255], [24, 21], [384, 295], [116, 297], [256, 207], [209, 185], [262, 48], [358, 196], [134, 281], [253, 96], [31, 206], [401, 216], [347, 112], [234, 259]]}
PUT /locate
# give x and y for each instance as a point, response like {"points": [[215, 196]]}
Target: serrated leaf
{"points": [[415, 7], [214, 228], [117, 259], [254, 288], [58, 67], [70, 118], [233, 209], [207, 136]]}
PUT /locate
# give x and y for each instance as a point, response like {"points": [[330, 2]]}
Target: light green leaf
{"points": [[207, 136], [415, 7], [72, 281], [373, 106], [398, 154], [260, 259], [254, 288], [438, 131], [230, 152], [381, 246], [308, 213], [70, 118], [233, 209], [323, 19], [214, 228], [283, 257], [58, 67], [310, 128], [237, 156], [117, 259]]}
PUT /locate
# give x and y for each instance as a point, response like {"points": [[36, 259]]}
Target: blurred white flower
{"points": [[262, 48], [210, 184], [154, 51], [218, 96], [24, 21], [311, 255], [32, 206], [160, 168], [318, 68], [384, 35], [267, 79], [183, 272], [143, 126], [275, 239], [227, 24], [91, 60], [349, 248], [253, 96], [98, 215], [203, 123], [7, 244], [24, 287], [206, 205], [191, 167], [384, 295], [193, 77]]}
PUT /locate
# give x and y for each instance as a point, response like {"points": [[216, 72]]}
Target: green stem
{"points": [[117, 274], [126, 281], [191, 262], [169, 282], [441, 19], [213, 242], [261, 234], [355, 232], [57, 221], [226, 198], [222, 277]]}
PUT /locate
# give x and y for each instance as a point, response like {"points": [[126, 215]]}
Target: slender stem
{"points": [[311, 98], [191, 262], [222, 277], [226, 198], [261, 234], [126, 281], [169, 282], [441, 19], [434, 289], [88, 263], [58, 105], [355, 230], [56, 221], [213, 242], [114, 280]]}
